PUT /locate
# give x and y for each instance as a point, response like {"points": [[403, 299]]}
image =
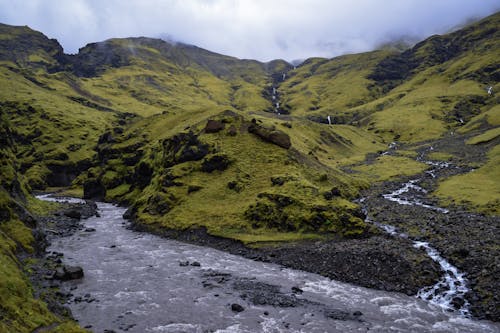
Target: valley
{"points": [[291, 165]]}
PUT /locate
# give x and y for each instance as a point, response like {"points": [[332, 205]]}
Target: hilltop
{"points": [[267, 155]]}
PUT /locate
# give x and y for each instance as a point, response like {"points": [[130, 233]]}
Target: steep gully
{"points": [[274, 95], [139, 282]]}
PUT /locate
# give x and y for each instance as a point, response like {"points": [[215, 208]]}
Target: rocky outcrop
{"points": [[143, 173], [214, 126], [94, 189], [273, 136], [183, 147], [66, 273], [216, 162]]}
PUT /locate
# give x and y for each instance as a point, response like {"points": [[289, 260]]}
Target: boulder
{"points": [[216, 162], [65, 273], [334, 192], [183, 147], [214, 126], [273, 136], [237, 308], [73, 213], [130, 213]]}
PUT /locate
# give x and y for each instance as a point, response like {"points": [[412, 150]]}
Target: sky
{"points": [[250, 29]]}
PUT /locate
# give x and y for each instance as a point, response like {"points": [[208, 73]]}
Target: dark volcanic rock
{"points": [[143, 173], [279, 181], [237, 308], [94, 189], [73, 213], [260, 293], [216, 162], [66, 273], [130, 213], [232, 131], [340, 315], [193, 188], [273, 136], [183, 147], [214, 126], [107, 137]]}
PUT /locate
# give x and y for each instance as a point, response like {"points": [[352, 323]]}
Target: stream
{"points": [[452, 287], [139, 282]]}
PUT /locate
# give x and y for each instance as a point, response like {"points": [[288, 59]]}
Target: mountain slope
{"points": [[193, 139]]}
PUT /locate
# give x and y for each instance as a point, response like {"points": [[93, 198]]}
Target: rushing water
{"points": [[453, 284], [409, 194], [138, 282]]}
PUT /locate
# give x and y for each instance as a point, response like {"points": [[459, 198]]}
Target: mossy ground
{"points": [[183, 195], [20, 311], [478, 189], [387, 167], [115, 120]]}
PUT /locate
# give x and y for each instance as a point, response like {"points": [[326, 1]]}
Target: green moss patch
{"points": [[485, 137], [388, 167], [479, 188]]}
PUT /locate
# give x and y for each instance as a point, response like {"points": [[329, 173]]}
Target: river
{"points": [[139, 282]]}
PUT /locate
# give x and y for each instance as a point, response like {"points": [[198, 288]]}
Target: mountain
{"points": [[191, 139]]}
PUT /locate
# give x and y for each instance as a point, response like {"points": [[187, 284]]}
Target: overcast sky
{"points": [[256, 29]]}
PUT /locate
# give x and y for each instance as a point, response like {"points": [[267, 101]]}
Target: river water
{"points": [[138, 282]]}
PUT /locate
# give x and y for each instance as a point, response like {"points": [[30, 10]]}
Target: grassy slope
{"points": [[145, 92], [330, 87], [20, 311], [479, 189], [220, 208], [444, 91]]}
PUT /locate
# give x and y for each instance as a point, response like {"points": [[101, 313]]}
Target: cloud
{"points": [[257, 29]]}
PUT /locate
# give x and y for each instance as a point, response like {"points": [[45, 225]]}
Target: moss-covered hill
{"points": [[190, 138]]}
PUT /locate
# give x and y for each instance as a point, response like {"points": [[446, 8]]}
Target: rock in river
{"points": [[65, 273]]}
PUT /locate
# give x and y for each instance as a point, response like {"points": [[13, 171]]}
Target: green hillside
{"points": [[188, 138]]}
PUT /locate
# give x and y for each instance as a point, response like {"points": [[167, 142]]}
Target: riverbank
{"points": [[382, 262], [139, 282], [47, 272], [467, 240]]}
